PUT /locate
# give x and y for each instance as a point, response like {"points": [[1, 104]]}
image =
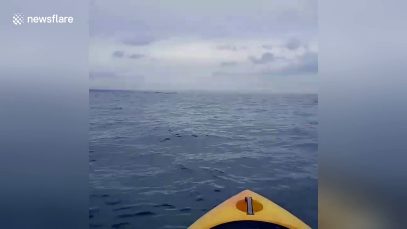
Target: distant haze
{"points": [[223, 45]]}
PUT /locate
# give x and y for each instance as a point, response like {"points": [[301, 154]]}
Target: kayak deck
{"points": [[249, 208]]}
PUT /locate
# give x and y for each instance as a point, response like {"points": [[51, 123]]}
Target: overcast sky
{"points": [[232, 45]]}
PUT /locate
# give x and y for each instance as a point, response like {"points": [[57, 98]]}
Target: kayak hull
{"points": [[235, 210]]}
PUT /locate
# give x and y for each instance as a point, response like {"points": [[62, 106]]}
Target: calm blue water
{"points": [[161, 160]]}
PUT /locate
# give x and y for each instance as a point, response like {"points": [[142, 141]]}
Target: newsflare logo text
{"points": [[20, 19]]}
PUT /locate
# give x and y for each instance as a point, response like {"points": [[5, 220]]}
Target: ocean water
{"points": [[161, 160]]}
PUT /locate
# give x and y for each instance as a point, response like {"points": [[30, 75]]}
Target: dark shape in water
{"points": [[194, 135], [166, 93], [124, 208], [198, 199], [165, 205], [113, 202], [165, 139], [185, 209], [216, 190], [218, 170], [142, 213], [118, 137], [119, 225], [183, 167]]}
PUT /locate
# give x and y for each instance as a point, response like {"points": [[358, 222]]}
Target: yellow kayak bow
{"points": [[248, 207]]}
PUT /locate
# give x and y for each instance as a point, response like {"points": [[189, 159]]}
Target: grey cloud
{"points": [[223, 23], [207, 19], [228, 63], [118, 54], [293, 44], [136, 56], [267, 57]]}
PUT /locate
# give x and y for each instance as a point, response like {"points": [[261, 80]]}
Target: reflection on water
{"points": [[164, 159]]}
